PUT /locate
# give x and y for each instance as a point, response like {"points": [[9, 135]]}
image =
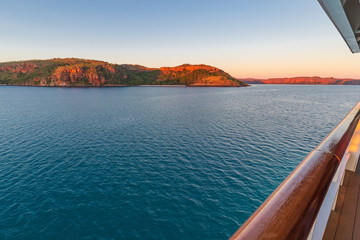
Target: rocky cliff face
{"points": [[305, 80], [79, 72]]}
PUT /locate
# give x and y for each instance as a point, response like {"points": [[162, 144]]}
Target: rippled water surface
{"points": [[152, 162]]}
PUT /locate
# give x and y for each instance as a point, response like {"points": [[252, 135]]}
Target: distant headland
{"points": [[304, 81], [73, 72]]}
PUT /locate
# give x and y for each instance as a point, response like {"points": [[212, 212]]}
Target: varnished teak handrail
{"points": [[291, 210]]}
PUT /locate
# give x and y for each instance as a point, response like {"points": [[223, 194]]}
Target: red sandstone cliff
{"points": [[80, 73], [200, 75]]}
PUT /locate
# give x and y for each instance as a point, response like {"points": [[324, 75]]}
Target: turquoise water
{"points": [[152, 162]]}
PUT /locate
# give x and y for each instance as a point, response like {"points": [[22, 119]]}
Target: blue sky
{"points": [[258, 39]]}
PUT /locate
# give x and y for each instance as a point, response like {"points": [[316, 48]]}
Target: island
{"points": [[74, 72]]}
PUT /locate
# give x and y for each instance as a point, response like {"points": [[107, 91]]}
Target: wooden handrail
{"points": [[290, 211]]}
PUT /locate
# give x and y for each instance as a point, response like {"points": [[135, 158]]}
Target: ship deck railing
{"points": [[306, 204]]}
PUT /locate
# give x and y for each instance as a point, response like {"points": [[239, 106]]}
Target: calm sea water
{"points": [[152, 162]]}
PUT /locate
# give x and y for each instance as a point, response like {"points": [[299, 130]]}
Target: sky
{"points": [[248, 39]]}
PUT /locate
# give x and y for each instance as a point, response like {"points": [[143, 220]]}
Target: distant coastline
{"points": [[304, 81]]}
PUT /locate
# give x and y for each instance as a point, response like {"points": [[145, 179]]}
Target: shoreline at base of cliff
{"points": [[114, 86]]}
